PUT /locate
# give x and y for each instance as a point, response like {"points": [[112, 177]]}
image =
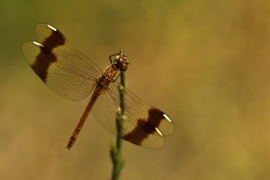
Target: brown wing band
{"points": [[46, 56], [145, 127]]}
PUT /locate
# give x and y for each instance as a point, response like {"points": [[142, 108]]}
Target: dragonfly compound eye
{"points": [[121, 60], [124, 67], [122, 63]]}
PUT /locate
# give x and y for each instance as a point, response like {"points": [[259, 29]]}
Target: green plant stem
{"points": [[116, 155]]}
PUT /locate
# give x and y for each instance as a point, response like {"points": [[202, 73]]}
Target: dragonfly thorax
{"points": [[107, 77]]}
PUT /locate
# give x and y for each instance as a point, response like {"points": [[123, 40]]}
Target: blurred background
{"points": [[205, 63]]}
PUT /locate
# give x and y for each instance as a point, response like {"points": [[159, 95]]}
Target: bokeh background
{"points": [[204, 63]]}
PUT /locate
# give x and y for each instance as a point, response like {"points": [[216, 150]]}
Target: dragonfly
{"points": [[74, 76]]}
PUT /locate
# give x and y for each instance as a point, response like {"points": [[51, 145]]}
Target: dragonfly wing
{"points": [[60, 66], [136, 108], [142, 120]]}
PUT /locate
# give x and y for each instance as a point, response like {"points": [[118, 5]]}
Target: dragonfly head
{"points": [[122, 61]]}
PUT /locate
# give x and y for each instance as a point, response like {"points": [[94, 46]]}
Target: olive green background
{"points": [[204, 63]]}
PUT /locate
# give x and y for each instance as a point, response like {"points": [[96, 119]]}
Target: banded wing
{"points": [[145, 125], [63, 68]]}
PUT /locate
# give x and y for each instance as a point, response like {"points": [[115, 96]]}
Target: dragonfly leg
{"points": [[115, 79], [121, 53]]}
